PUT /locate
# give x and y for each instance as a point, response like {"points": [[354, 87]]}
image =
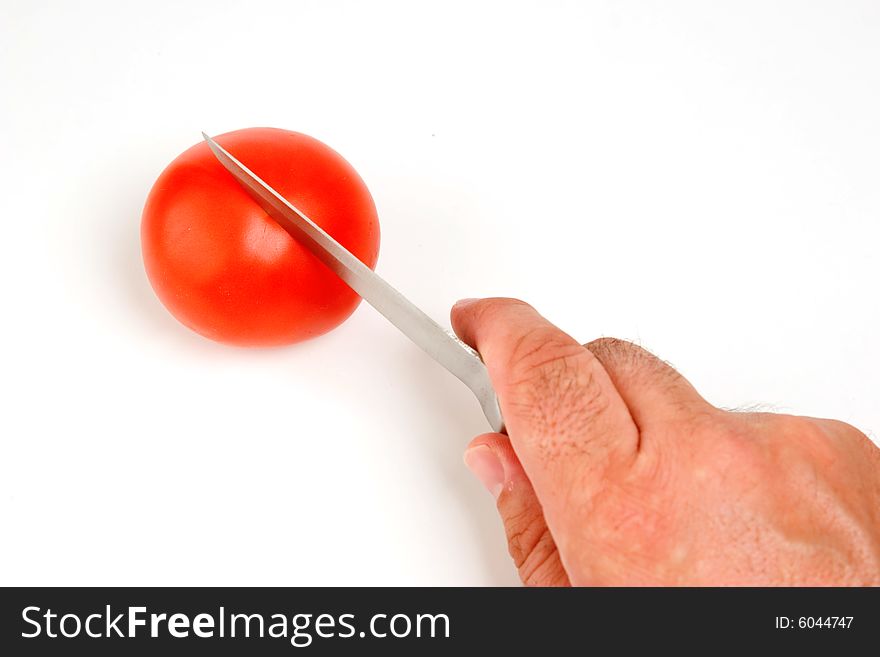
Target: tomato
{"points": [[225, 269]]}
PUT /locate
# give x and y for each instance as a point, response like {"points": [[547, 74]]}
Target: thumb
{"points": [[568, 424], [493, 461]]}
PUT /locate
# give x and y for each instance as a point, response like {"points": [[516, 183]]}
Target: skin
{"points": [[615, 471]]}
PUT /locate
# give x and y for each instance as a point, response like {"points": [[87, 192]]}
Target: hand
{"points": [[617, 472]]}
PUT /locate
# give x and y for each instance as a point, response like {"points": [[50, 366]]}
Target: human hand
{"points": [[617, 472]]}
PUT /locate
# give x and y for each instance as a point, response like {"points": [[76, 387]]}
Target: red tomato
{"points": [[225, 269]]}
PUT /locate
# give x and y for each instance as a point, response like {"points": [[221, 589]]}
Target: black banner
{"points": [[278, 621]]}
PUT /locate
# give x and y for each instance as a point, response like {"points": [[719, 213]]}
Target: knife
{"points": [[440, 344]]}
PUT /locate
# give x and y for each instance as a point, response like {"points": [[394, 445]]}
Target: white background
{"points": [[701, 177]]}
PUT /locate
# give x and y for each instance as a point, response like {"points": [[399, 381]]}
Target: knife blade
{"points": [[442, 345]]}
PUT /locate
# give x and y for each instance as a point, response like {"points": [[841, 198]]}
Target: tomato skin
{"points": [[225, 269]]}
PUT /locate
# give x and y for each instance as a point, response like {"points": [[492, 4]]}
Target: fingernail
{"points": [[463, 303], [486, 467]]}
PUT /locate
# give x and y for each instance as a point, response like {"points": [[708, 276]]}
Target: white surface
{"points": [[702, 179]]}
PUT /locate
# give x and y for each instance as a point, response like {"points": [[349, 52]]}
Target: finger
{"points": [[567, 423], [491, 458], [653, 390]]}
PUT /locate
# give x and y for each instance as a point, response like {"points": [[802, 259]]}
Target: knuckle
{"points": [[540, 350], [492, 307], [624, 354], [846, 431], [534, 552], [828, 443], [613, 348], [801, 436], [542, 567], [637, 361], [523, 529], [727, 450]]}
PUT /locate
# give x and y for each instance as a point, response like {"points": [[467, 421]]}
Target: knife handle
{"points": [[477, 379]]}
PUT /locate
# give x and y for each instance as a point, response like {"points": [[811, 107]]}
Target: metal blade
{"points": [[440, 344]]}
